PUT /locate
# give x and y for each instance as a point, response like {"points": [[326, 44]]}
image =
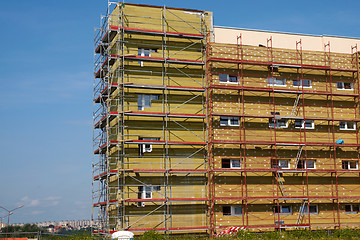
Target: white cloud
{"points": [[50, 201], [30, 202]]}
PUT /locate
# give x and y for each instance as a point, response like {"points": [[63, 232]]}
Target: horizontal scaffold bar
{"points": [[151, 200], [286, 198], [284, 117], [278, 90], [283, 143], [113, 30], [159, 114], [108, 89], [164, 87], [284, 170], [278, 64], [114, 172]]}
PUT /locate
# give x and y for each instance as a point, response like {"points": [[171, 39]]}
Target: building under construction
{"points": [[200, 128]]}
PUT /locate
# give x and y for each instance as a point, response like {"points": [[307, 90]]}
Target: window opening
{"points": [[280, 163], [309, 164], [231, 163], [349, 165], [276, 81], [145, 52], [345, 85], [226, 78], [144, 100], [232, 210], [351, 208], [347, 126], [283, 209], [278, 123], [302, 83], [146, 147], [229, 121], [307, 124], [313, 209]]}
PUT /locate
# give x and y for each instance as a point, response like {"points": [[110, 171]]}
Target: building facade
{"points": [[196, 132]]}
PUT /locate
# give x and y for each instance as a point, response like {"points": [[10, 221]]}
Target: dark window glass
{"points": [[225, 163], [226, 210]]}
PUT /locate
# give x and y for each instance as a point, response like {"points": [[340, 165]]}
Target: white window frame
{"points": [[232, 163], [145, 52], [228, 78], [309, 206], [281, 207], [276, 124], [348, 164], [352, 208], [229, 122], [342, 86], [347, 124], [146, 148], [301, 83], [303, 124], [278, 163], [305, 164], [272, 81], [144, 100], [233, 210], [145, 192]]}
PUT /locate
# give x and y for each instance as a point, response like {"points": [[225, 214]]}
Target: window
{"points": [[144, 100], [229, 121], [351, 208], [230, 163], [281, 222], [347, 126], [147, 147], [145, 192], [280, 163], [307, 124], [232, 210], [349, 165], [278, 123], [309, 164], [345, 85], [283, 210], [302, 83], [145, 52], [226, 78], [276, 81], [313, 209]]}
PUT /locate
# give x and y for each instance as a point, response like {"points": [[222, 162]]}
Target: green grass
{"points": [[344, 234]]}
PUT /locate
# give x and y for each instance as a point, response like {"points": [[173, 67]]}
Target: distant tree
{"points": [[21, 231], [31, 228]]}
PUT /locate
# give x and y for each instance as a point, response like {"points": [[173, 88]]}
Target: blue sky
{"points": [[46, 89]]}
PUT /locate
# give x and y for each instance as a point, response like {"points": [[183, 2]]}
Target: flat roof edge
{"points": [[288, 33], [154, 6]]}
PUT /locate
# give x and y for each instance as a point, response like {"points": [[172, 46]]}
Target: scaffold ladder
{"points": [[301, 212], [298, 156], [281, 184], [293, 112]]}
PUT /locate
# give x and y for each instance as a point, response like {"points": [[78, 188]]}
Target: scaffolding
{"points": [[279, 115], [194, 136], [150, 166]]}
